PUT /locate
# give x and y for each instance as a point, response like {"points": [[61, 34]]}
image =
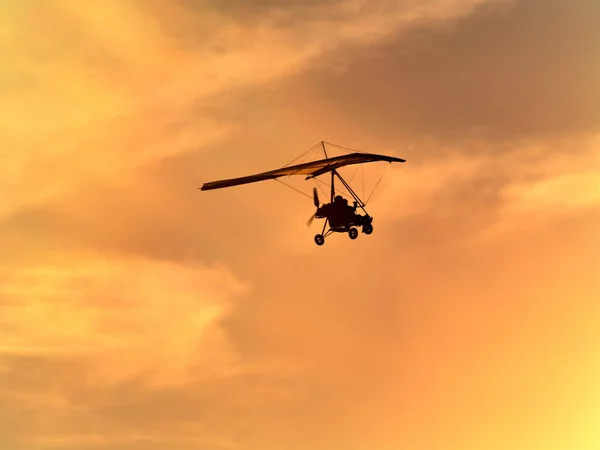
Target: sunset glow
{"points": [[140, 313]]}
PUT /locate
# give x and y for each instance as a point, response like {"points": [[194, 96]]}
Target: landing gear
{"points": [[340, 217]]}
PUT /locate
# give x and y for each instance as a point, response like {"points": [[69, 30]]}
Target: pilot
{"points": [[341, 204], [337, 209], [343, 210]]}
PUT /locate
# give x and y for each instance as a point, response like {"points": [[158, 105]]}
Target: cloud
{"points": [[522, 70], [70, 116], [85, 335], [114, 309], [558, 187], [121, 331], [80, 124]]}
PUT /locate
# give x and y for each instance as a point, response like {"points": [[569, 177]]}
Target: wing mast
{"points": [[332, 195]]}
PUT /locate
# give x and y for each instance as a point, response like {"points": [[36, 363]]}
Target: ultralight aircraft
{"points": [[338, 214]]}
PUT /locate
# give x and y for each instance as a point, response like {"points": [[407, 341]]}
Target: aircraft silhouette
{"points": [[338, 214]]}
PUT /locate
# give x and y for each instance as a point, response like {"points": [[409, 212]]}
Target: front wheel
{"points": [[367, 228], [319, 239], [353, 233]]}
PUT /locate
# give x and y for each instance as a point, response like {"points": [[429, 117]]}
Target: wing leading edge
{"points": [[310, 169]]}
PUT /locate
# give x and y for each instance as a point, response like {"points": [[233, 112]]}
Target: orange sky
{"points": [[137, 312]]}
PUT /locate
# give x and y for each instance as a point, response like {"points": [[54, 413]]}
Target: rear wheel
{"points": [[353, 233], [367, 228], [319, 239]]}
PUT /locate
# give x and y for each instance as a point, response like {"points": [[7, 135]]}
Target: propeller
{"points": [[317, 203]]}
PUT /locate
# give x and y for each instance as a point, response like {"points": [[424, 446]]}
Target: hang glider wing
{"points": [[310, 169]]}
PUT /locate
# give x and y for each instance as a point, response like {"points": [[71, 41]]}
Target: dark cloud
{"points": [[258, 6], [197, 21], [286, 13], [525, 71]]}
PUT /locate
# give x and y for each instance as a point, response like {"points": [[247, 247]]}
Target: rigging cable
{"points": [[292, 187], [378, 181], [336, 190], [354, 173], [348, 150], [313, 148], [362, 167]]}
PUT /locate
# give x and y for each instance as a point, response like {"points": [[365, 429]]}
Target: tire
{"points": [[353, 233], [319, 239], [367, 228]]}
